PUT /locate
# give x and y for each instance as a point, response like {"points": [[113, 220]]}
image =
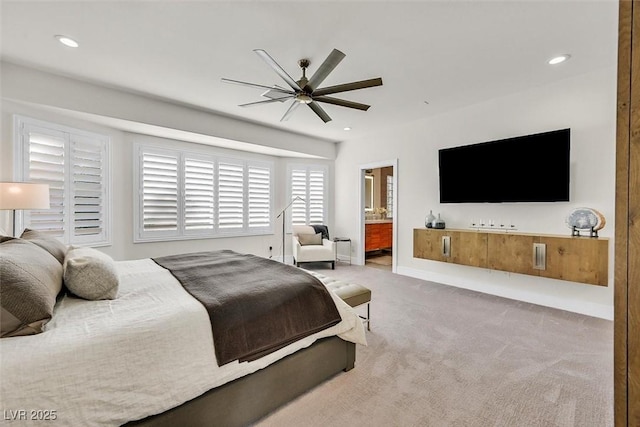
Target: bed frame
{"points": [[249, 398]]}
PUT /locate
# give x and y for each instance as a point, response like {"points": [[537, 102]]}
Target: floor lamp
{"points": [[23, 195], [282, 214]]}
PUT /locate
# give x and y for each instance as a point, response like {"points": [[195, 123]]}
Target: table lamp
{"points": [[23, 195]]}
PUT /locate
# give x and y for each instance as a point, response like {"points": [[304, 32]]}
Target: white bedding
{"points": [[103, 363]]}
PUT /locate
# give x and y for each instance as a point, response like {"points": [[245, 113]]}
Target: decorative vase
{"points": [[438, 223], [428, 221]]}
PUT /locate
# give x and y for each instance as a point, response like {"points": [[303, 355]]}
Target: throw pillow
{"points": [[49, 243], [310, 239], [90, 274], [31, 281]]}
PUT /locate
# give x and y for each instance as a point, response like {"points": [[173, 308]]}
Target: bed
{"points": [[148, 358]]}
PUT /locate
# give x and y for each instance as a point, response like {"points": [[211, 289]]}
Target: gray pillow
{"points": [[31, 281], [49, 243], [310, 239], [91, 274]]}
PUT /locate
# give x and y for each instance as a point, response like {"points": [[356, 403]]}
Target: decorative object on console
{"points": [[438, 223], [587, 219], [428, 221]]}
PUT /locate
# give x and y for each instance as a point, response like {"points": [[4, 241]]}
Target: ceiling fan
{"points": [[306, 91]]}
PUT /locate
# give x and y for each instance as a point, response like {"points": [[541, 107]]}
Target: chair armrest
{"points": [[329, 244], [295, 246]]}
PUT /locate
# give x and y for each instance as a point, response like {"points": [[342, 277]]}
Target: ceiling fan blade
{"points": [[278, 69], [327, 67], [267, 101], [276, 94], [319, 111], [363, 84], [290, 111], [342, 102], [254, 85]]}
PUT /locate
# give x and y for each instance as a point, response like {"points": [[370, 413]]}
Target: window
{"points": [[192, 195], [389, 196], [309, 183], [75, 164]]}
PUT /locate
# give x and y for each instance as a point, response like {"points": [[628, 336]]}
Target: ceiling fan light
{"points": [[304, 99]]}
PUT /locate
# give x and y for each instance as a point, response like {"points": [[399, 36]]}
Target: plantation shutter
{"points": [[308, 183], [199, 210], [299, 189], [45, 164], [316, 197], [230, 195], [74, 164], [88, 189], [259, 186], [193, 195], [160, 192]]}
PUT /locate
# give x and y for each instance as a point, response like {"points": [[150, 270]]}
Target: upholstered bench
{"points": [[351, 293]]}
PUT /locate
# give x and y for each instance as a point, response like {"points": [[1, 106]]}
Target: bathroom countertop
{"points": [[378, 221]]}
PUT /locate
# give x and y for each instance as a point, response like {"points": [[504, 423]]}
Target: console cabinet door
{"points": [[469, 248], [427, 244], [577, 259], [511, 252]]}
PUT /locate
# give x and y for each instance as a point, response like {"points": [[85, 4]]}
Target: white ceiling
{"points": [[449, 53]]}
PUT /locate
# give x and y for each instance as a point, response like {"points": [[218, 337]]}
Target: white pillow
{"points": [[90, 274], [310, 239]]}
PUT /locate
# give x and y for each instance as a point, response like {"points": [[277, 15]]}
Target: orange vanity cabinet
{"points": [[378, 236]]}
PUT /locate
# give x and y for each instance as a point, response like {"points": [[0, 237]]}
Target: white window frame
{"points": [[181, 233], [307, 167], [21, 128]]}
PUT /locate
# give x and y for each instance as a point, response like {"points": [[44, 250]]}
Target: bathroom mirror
{"points": [[368, 193]]}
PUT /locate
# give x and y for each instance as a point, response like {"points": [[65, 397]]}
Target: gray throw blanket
{"points": [[256, 305], [321, 229]]}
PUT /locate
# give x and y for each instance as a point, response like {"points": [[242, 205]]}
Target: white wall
{"points": [[36, 99], [586, 104], [34, 87]]}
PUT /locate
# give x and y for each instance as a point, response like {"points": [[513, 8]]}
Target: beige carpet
{"points": [[442, 356]]}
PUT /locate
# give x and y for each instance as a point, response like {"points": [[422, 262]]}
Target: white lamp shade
{"points": [[24, 195]]}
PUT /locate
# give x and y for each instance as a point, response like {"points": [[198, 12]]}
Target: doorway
{"points": [[378, 215]]}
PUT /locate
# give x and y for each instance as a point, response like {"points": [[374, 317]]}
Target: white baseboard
{"points": [[345, 258], [603, 311]]}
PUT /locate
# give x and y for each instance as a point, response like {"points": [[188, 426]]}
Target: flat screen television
{"points": [[531, 168]]}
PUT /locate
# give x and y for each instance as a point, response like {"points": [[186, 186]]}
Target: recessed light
{"points": [[67, 41], [559, 59], [347, 128]]}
